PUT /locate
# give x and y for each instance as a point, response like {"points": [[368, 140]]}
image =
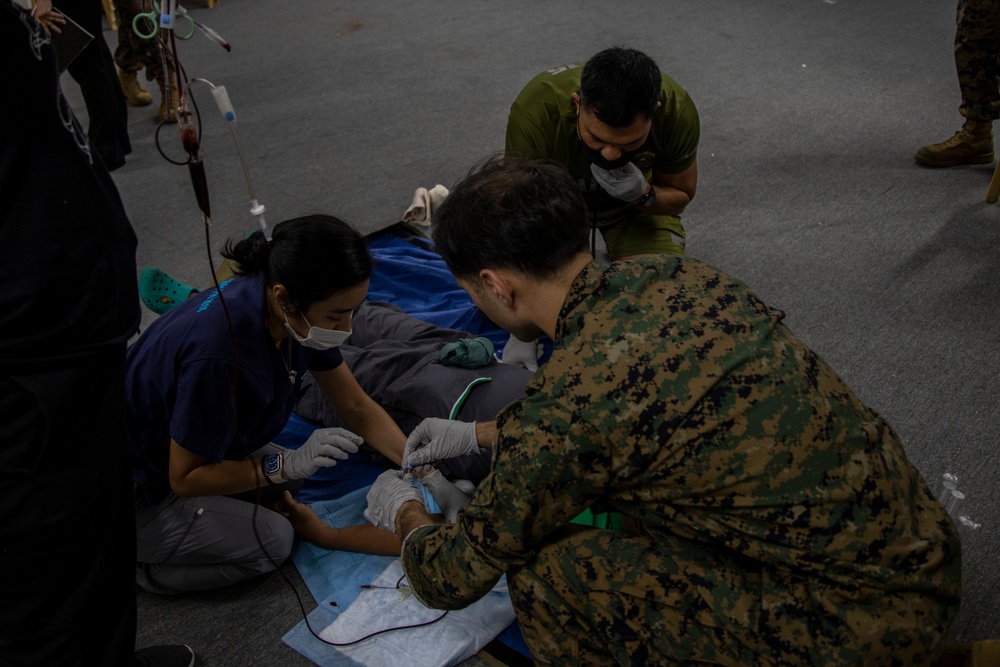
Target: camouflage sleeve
{"points": [[531, 493]]}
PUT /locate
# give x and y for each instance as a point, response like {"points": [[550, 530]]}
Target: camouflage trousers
{"points": [[977, 58], [133, 52], [599, 597]]}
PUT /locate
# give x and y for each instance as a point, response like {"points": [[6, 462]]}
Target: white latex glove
{"points": [[321, 450], [386, 496], [626, 183], [448, 496], [437, 439], [522, 353]]}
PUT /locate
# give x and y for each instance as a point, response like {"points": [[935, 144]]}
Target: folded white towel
{"points": [[423, 205]]}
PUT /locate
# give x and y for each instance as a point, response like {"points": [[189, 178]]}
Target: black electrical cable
{"points": [[163, 123], [305, 616]]}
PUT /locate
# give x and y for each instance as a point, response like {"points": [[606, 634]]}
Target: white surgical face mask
{"points": [[317, 338]]}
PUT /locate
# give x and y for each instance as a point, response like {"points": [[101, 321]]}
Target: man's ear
{"points": [[576, 100], [497, 285]]}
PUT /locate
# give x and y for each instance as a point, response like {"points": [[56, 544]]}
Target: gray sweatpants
{"points": [[194, 544]]}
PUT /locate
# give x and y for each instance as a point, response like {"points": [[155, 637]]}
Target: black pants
{"points": [[67, 527], [94, 70]]}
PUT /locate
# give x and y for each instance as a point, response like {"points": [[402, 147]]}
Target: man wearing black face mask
{"points": [[627, 133]]}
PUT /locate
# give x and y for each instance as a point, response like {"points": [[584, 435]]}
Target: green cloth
{"points": [[467, 353]]}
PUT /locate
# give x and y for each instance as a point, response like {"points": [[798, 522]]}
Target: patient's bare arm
{"points": [[363, 538]]}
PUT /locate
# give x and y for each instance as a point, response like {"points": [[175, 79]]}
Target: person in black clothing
{"points": [[94, 70], [68, 306]]}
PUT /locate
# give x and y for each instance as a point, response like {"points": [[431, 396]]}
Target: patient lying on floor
{"points": [[397, 361]]}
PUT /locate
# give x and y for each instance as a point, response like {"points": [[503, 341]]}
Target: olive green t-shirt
{"points": [[542, 124]]}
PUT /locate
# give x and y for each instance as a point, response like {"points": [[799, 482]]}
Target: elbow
{"points": [[179, 490], [689, 196], [683, 204], [182, 487], [448, 597]]}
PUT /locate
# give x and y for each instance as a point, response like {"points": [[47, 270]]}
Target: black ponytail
{"points": [[250, 254], [314, 257]]}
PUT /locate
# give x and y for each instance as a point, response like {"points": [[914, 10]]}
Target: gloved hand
{"points": [[447, 495], [437, 439], [321, 450], [519, 352], [626, 183], [386, 496]]}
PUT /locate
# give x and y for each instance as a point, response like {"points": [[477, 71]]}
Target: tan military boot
{"points": [[973, 144], [168, 106], [983, 653], [135, 94]]}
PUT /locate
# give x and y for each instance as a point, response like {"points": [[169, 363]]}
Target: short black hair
{"points": [[314, 257], [512, 213], [618, 84]]}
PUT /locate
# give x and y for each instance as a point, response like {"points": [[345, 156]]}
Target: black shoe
{"points": [[168, 655]]}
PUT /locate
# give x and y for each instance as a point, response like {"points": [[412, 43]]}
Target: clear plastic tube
{"points": [[229, 114], [949, 483], [953, 502], [967, 528], [222, 101]]}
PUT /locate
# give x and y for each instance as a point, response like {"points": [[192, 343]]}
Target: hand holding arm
{"points": [[387, 495], [449, 497]]}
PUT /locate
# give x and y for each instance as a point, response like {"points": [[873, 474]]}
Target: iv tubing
{"points": [[226, 109]]}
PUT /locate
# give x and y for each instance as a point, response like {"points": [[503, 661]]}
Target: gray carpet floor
{"points": [[811, 111]]}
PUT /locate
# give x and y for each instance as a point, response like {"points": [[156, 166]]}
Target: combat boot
{"points": [[973, 144], [168, 104], [135, 94]]}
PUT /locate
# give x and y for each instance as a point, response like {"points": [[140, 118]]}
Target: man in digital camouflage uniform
{"points": [[977, 59], [770, 517]]}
